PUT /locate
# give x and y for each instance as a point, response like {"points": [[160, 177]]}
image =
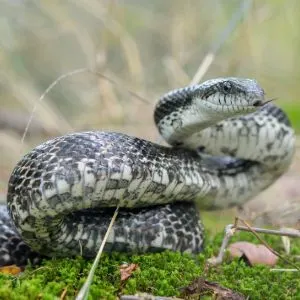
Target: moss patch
{"points": [[159, 274]]}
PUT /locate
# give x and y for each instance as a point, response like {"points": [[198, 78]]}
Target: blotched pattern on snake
{"points": [[226, 144]]}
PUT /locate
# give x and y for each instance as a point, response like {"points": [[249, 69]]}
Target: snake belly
{"points": [[226, 146]]}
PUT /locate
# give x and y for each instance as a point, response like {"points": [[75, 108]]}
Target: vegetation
{"points": [[163, 274]]}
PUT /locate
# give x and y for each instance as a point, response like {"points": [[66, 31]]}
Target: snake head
{"points": [[230, 96], [181, 112]]}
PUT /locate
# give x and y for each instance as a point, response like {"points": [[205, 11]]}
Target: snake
{"points": [[224, 142]]}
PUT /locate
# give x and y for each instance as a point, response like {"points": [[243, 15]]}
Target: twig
{"points": [[80, 247], [284, 270], [75, 72], [134, 94], [229, 232], [53, 84], [210, 56], [270, 231], [232, 228], [267, 246], [40, 268], [63, 294], [84, 291]]}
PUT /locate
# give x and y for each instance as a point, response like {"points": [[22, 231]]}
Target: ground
{"points": [[163, 274]]}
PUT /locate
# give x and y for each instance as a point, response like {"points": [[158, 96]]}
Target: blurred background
{"points": [[147, 47]]}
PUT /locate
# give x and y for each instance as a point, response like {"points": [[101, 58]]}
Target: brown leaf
{"points": [[126, 270], [203, 287], [10, 270], [253, 254]]}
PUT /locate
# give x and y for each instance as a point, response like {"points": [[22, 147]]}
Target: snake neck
{"points": [[265, 137]]}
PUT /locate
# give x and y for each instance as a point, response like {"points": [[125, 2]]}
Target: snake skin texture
{"points": [[227, 145]]}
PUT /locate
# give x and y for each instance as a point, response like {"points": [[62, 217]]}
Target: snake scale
{"points": [[226, 144]]}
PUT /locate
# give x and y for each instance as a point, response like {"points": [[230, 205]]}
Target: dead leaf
{"points": [[203, 287], [126, 270], [10, 270], [253, 254]]}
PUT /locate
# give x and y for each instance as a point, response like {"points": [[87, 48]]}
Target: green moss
{"points": [[160, 274]]}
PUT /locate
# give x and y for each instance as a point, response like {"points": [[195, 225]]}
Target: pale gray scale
{"points": [[123, 181], [77, 187], [94, 198], [263, 134], [44, 206], [156, 189], [204, 183], [242, 183], [169, 191], [92, 241], [139, 186], [177, 191], [257, 180], [36, 196], [276, 146], [229, 134], [180, 190], [243, 140], [61, 188], [242, 133], [138, 176], [112, 185], [220, 136], [197, 183], [226, 195], [235, 186], [90, 183], [110, 190], [68, 182], [58, 201], [18, 213], [81, 235], [206, 199], [85, 201], [103, 175]]}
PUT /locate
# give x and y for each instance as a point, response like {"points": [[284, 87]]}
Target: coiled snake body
{"points": [[227, 144]]}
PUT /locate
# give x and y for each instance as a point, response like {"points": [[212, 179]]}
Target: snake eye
{"points": [[227, 87]]}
